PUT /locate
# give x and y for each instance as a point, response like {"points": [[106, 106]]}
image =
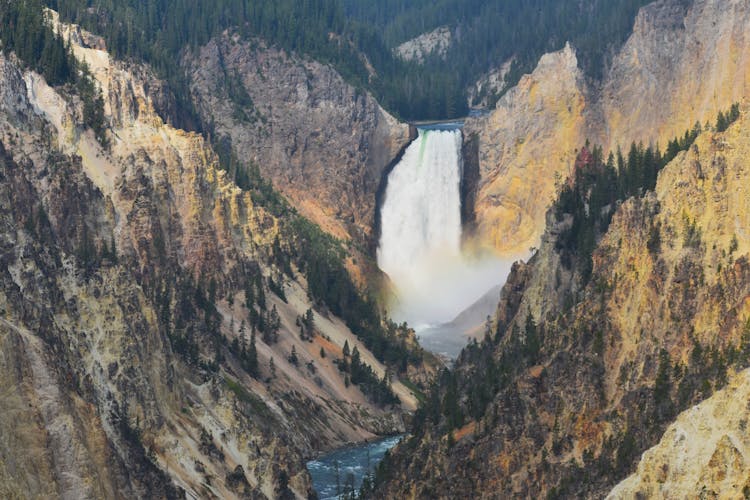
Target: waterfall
{"points": [[421, 213], [420, 241]]}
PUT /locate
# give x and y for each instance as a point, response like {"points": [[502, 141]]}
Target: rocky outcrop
{"points": [[703, 454], [126, 275], [486, 90], [681, 65], [433, 43], [322, 142]]}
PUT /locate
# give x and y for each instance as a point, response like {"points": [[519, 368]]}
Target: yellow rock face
{"points": [[704, 452], [677, 68], [689, 289], [703, 191], [527, 145]]}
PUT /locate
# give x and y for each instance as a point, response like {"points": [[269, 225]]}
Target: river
{"points": [[353, 463]]}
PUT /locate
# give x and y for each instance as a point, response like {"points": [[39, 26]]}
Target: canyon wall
{"points": [[526, 149], [322, 142], [683, 63], [584, 375]]}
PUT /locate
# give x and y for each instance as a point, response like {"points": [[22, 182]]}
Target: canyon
{"points": [[660, 324], [202, 312]]}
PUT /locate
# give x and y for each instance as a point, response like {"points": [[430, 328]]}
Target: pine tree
{"points": [[356, 367], [242, 337], [721, 122], [734, 112], [532, 344], [113, 250], [309, 321], [293, 359], [252, 357]]}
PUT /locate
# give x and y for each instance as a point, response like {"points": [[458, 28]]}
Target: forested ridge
{"points": [[487, 33], [350, 33]]}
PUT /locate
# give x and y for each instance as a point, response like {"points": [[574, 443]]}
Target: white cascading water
{"points": [[420, 242], [421, 214]]}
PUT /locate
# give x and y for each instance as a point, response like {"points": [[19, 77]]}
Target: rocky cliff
{"points": [[680, 65], [683, 62], [526, 147], [134, 275], [323, 143], [485, 91], [584, 375]]}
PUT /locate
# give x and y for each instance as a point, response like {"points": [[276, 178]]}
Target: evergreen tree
{"points": [[293, 359], [309, 321], [533, 343], [721, 122], [242, 337], [252, 357]]}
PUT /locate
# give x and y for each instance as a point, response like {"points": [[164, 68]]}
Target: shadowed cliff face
{"points": [[679, 66], [125, 277], [323, 143], [661, 325]]}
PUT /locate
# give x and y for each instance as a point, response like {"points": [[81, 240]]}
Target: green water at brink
{"points": [[422, 147]]}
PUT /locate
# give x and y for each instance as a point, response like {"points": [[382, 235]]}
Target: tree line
{"points": [[341, 32], [486, 33]]}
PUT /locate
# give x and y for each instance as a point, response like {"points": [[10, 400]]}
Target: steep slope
{"points": [[650, 94], [679, 66], [583, 375], [132, 278], [323, 143]]}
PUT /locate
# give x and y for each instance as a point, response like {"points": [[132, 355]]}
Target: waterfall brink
{"points": [[420, 242]]}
